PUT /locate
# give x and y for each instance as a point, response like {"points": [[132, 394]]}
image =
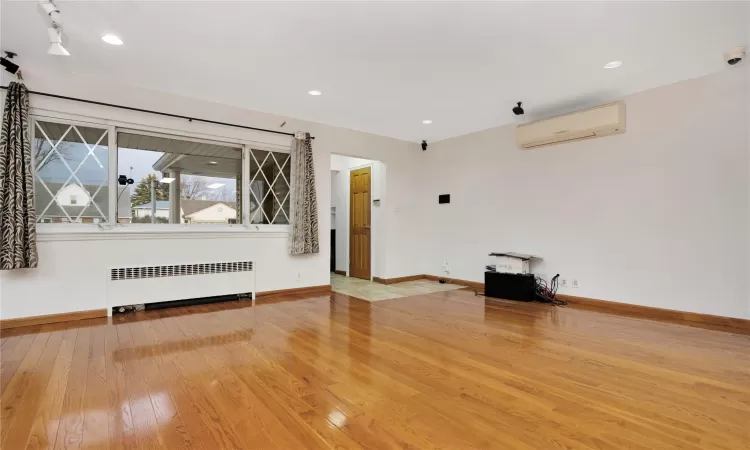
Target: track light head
{"points": [[57, 50], [55, 39], [8, 64]]}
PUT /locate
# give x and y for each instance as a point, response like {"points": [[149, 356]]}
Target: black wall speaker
{"points": [[444, 198]]}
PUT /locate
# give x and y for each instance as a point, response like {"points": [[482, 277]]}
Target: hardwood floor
{"points": [[443, 370]]}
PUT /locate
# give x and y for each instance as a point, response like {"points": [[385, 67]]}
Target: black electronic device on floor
{"points": [[510, 286]]}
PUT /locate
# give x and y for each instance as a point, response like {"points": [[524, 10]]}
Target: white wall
{"points": [[340, 196], [339, 193], [747, 130], [334, 179], [71, 274], [657, 216]]}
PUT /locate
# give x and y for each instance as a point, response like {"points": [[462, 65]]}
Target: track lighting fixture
{"points": [[8, 64], [54, 30], [51, 10], [55, 39]]}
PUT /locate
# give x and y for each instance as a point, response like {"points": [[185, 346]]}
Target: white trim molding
{"points": [[130, 234], [147, 127]]}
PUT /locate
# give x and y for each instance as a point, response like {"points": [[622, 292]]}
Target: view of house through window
{"points": [[72, 173], [179, 181]]}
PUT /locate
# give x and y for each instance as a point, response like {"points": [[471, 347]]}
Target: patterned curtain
{"points": [[17, 215], [304, 235]]}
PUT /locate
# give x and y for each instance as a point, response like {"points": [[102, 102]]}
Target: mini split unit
{"points": [[587, 124]]}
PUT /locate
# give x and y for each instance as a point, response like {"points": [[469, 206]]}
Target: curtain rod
{"points": [[177, 116]]}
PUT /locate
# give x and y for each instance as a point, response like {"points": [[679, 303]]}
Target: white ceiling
{"points": [[384, 67]]}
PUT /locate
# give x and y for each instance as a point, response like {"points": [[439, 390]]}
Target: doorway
{"points": [[360, 223], [357, 216]]}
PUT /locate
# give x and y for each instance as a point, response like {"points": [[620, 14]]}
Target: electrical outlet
{"points": [[575, 283], [563, 282]]}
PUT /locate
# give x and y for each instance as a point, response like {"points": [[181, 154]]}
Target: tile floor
{"points": [[370, 291]]}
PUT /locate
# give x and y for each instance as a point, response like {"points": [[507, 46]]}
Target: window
{"points": [[191, 182], [270, 174], [72, 175], [176, 180]]}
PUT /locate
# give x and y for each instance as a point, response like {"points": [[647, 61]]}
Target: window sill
{"points": [[95, 233]]}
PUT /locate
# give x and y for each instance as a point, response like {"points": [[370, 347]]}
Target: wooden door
{"points": [[359, 223]]}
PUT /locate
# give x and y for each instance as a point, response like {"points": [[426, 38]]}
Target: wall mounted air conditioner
{"points": [[589, 123]]}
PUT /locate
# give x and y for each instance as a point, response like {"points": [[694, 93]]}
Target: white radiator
{"points": [[153, 284]]}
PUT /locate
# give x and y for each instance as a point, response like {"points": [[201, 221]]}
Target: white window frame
{"points": [[270, 187], [111, 227], [41, 226]]}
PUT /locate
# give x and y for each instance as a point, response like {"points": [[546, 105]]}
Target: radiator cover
{"points": [[170, 282]]}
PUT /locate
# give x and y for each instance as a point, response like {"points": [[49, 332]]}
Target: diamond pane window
{"points": [[270, 173], [72, 176]]}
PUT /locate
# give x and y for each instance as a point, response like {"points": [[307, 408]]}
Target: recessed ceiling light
{"points": [[314, 92], [427, 122], [215, 185], [613, 64], [212, 163], [111, 39]]}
